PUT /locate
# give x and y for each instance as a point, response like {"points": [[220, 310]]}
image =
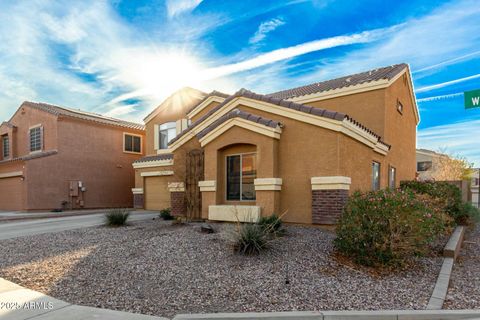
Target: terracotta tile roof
{"points": [[8, 124], [158, 157], [211, 94], [187, 94], [32, 156], [237, 113], [347, 81], [83, 115], [286, 104]]}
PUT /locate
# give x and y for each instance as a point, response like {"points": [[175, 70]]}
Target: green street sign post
{"points": [[472, 99]]}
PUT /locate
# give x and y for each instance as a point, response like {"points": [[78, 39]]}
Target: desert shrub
{"points": [[166, 214], [388, 227], [469, 214], [449, 196], [250, 239], [271, 224], [117, 217]]}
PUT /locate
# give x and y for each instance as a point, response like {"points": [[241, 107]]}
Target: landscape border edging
{"points": [[450, 253]]}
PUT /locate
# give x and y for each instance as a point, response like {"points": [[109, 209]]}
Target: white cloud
{"points": [[447, 32], [265, 28], [457, 138], [441, 97], [447, 62], [446, 83], [177, 7], [294, 51]]}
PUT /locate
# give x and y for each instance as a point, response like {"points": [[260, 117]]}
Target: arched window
{"points": [[167, 132]]}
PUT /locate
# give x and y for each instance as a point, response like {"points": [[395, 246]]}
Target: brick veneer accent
{"points": [[327, 205], [179, 205], [138, 201]]}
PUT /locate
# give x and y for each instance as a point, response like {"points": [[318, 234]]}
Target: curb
{"points": [[450, 253], [339, 315]]}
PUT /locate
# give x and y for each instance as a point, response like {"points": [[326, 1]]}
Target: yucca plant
{"points": [[250, 239], [117, 217], [166, 214]]}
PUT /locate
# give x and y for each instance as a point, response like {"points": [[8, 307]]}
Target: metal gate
{"points": [[194, 174]]}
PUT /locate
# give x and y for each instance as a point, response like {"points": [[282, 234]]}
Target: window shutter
{"points": [[156, 137]]}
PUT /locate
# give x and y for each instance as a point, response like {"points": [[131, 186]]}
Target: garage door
{"points": [[11, 194], [157, 196]]}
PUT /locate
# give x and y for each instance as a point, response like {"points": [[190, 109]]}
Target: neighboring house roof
{"points": [[166, 156], [214, 93], [8, 124], [236, 113], [346, 81], [83, 115], [186, 94], [32, 156], [283, 103]]}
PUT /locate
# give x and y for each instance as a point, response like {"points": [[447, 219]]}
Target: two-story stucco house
{"points": [[301, 151], [53, 157]]}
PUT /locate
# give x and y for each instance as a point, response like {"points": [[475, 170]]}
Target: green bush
{"points": [[250, 239], [469, 213], [448, 194], [271, 224], [166, 214], [388, 227], [117, 217]]}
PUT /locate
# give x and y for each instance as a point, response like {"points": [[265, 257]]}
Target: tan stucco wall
{"points": [[87, 152], [27, 117], [401, 130], [12, 189], [368, 108]]}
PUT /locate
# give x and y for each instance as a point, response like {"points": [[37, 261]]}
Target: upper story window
{"points": [[5, 146], [424, 165], [36, 137], [375, 175], [132, 143], [241, 173], [167, 132]]}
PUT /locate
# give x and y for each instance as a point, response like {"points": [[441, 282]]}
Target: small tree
{"points": [[447, 167]]}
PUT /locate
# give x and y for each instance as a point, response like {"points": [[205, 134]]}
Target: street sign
{"points": [[472, 99]]}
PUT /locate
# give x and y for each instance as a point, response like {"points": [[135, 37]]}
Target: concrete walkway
{"points": [[18, 303], [38, 226]]}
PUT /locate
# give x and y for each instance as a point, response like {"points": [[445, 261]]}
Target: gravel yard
{"points": [[464, 291], [155, 268]]}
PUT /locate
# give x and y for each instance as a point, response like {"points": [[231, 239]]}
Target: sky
{"points": [[122, 58]]}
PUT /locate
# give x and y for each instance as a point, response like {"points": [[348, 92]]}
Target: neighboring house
{"points": [[474, 187], [427, 162], [53, 157], [300, 151]]}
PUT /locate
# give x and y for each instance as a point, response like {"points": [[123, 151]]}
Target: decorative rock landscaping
{"points": [[464, 291], [155, 268]]}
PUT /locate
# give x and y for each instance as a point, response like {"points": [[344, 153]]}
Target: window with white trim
{"points": [[5, 146], [132, 143], [241, 173], [36, 139], [392, 175], [375, 175], [167, 132]]}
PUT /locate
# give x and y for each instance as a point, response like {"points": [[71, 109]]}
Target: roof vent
{"points": [[348, 79]]}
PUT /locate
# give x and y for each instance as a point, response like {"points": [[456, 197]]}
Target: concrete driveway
{"points": [[31, 227]]}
